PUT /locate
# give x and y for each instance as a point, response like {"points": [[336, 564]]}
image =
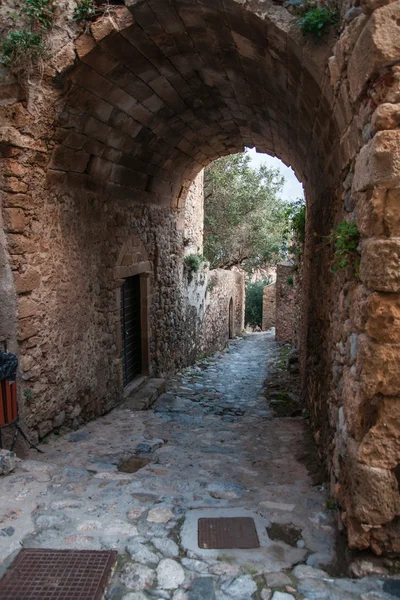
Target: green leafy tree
{"points": [[254, 301], [244, 216]]}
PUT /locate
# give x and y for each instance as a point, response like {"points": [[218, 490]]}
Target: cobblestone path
{"points": [[213, 449]]}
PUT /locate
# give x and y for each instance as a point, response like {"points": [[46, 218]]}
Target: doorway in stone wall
{"points": [[231, 326], [131, 333]]}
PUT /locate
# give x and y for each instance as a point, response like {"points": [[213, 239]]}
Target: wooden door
{"points": [[131, 352]]}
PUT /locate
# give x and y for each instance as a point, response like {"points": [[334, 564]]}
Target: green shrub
{"points": [[193, 262], [290, 280], [28, 395], [296, 219], [317, 21], [85, 9], [254, 301], [299, 222], [345, 238], [22, 48], [39, 12]]}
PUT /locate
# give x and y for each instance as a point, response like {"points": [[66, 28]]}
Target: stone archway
{"points": [[130, 114]]}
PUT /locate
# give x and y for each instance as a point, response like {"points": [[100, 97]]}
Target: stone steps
{"points": [[143, 395]]}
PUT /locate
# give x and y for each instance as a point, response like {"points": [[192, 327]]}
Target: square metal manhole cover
{"points": [[227, 533], [57, 575]]}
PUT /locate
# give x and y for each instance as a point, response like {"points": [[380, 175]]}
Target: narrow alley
{"points": [[209, 447]]}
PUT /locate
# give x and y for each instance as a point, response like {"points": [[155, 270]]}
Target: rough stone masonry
{"points": [[104, 150]]}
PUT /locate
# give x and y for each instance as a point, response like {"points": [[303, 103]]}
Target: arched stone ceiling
{"points": [[164, 87]]}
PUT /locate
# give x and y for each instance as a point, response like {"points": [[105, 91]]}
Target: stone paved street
{"points": [[214, 449]]}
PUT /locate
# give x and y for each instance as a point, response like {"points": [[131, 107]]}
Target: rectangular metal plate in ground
{"points": [[227, 533], [57, 575]]}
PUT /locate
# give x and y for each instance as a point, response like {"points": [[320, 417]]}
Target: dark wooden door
{"points": [[231, 320], [130, 329]]}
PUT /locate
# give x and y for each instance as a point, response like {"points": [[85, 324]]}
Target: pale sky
{"points": [[292, 188]]}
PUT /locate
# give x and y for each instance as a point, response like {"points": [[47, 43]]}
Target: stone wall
{"points": [[285, 296], [69, 259], [299, 294], [209, 293], [194, 217], [359, 425], [269, 307]]}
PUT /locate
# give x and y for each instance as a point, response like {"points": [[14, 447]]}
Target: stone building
{"points": [[285, 309], [97, 162], [269, 307]]}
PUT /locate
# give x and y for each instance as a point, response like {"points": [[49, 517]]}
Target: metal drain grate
{"points": [[57, 575], [227, 533]]}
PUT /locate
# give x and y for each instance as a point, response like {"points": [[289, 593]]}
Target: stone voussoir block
{"points": [[69, 159], [379, 268], [120, 19], [129, 178]]}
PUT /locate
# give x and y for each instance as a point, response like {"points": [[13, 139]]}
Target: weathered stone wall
{"points": [[66, 258], [106, 148], [285, 295], [194, 217], [351, 389], [269, 307], [298, 302], [209, 293]]}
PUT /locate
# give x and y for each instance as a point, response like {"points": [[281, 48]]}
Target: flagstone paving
{"points": [[214, 449]]}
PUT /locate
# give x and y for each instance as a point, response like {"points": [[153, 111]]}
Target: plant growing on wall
{"points": [[39, 12], [290, 280], [344, 238], [193, 263], [25, 47], [317, 22], [21, 49], [85, 9], [295, 216]]}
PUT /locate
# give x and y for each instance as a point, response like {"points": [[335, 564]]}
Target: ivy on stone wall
{"points": [[24, 46]]}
